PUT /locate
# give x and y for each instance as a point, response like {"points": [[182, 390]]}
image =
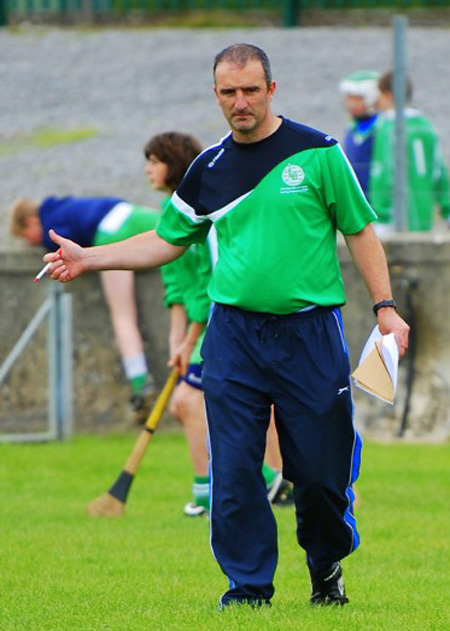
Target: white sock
{"points": [[135, 366]]}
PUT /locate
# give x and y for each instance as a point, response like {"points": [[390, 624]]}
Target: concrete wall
{"points": [[101, 392], [421, 260]]}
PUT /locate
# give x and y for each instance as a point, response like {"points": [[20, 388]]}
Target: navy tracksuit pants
{"points": [[299, 363]]}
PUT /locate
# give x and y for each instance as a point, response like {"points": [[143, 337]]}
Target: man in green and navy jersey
{"points": [[428, 184], [276, 192]]}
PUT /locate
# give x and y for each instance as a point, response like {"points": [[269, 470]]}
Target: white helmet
{"points": [[363, 83]]}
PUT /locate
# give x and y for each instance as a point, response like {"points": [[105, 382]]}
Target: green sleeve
{"points": [[381, 183], [186, 282], [441, 183], [172, 291], [170, 275], [344, 197], [196, 357], [179, 225], [197, 299]]}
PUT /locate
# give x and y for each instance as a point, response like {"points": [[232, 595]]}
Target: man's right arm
{"points": [[143, 251]]}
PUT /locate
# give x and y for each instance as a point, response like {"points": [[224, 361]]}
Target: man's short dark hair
{"points": [[386, 84], [241, 54]]}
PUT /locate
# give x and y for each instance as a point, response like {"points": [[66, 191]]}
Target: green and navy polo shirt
{"points": [[276, 205], [186, 280]]}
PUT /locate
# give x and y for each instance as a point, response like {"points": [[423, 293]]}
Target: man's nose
{"points": [[241, 102]]}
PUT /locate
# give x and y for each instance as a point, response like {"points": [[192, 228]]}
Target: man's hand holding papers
{"points": [[378, 366]]}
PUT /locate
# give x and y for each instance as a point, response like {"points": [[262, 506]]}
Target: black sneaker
{"points": [[280, 492], [285, 495], [327, 586]]}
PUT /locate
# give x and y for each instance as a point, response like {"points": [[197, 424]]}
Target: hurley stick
{"points": [[112, 503]]}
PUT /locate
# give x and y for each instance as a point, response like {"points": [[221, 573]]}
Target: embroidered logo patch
{"points": [[293, 175]]}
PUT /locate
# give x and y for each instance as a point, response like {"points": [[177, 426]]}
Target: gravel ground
{"points": [[129, 85]]}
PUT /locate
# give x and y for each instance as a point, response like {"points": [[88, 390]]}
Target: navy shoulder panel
{"points": [[209, 155], [190, 185], [229, 169], [308, 137]]}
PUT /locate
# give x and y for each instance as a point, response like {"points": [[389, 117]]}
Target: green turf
{"points": [[44, 138], [152, 569]]}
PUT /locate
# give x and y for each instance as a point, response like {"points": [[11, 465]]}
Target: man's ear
{"points": [[272, 88]]}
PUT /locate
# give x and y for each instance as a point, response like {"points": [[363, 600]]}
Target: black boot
{"points": [[327, 586]]}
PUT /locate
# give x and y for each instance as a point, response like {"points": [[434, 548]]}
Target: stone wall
{"points": [[420, 265]]}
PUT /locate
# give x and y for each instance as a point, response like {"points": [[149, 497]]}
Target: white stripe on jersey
{"points": [[419, 156], [116, 217], [185, 209], [217, 214], [213, 246]]}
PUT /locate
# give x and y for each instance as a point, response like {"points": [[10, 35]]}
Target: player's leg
{"points": [[279, 490], [243, 528], [188, 408], [122, 222], [319, 445], [273, 455], [119, 290]]}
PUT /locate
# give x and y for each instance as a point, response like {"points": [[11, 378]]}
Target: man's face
{"points": [[356, 106], [385, 101], [244, 96], [157, 173], [32, 230]]}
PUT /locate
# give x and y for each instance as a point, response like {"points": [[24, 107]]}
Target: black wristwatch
{"points": [[382, 304]]}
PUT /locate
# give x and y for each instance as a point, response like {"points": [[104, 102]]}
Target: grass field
{"points": [[152, 569], [44, 138]]}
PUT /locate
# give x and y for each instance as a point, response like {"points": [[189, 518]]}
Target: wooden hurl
{"points": [[112, 503]]}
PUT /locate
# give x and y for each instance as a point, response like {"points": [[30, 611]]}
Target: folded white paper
{"points": [[377, 370]]}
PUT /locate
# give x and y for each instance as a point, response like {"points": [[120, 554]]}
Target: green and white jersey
{"points": [[187, 278], [427, 176], [276, 205]]}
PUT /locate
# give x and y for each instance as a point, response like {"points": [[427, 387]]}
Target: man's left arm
{"points": [[370, 259]]}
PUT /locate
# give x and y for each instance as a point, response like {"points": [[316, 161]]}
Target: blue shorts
{"points": [[193, 376]]}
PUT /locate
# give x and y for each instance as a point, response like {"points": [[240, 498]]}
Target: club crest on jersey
{"points": [[293, 175]]}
